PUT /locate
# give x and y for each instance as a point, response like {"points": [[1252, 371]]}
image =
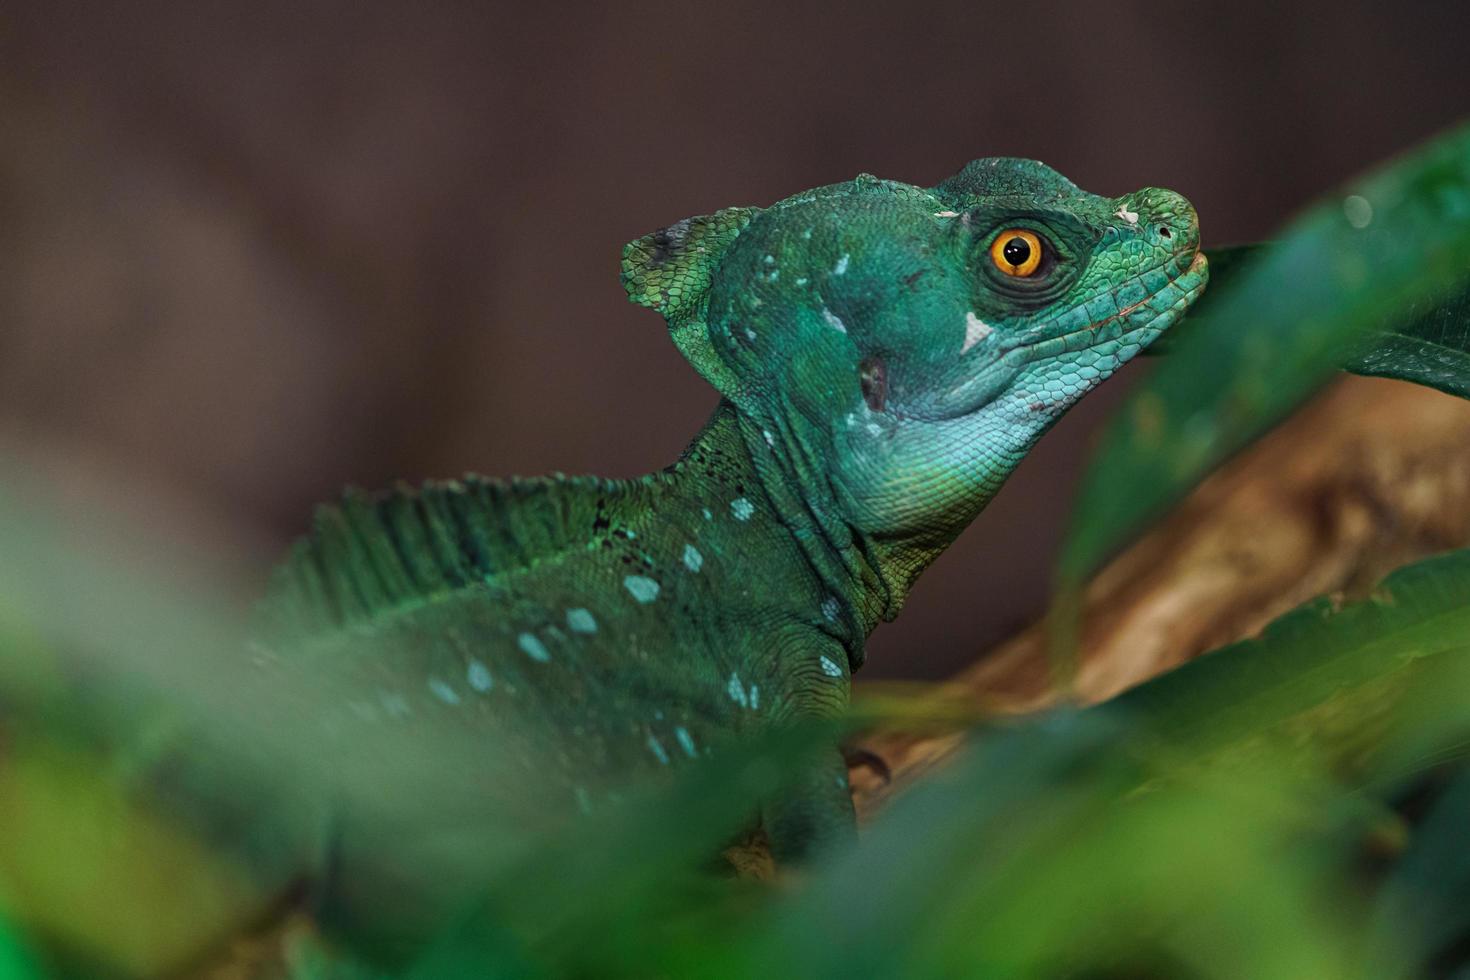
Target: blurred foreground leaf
{"points": [[118, 888], [639, 890], [1207, 824], [1210, 823], [15, 962], [1424, 908], [163, 785], [1280, 327], [1337, 671], [1053, 850], [1427, 342], [1429, 345]]}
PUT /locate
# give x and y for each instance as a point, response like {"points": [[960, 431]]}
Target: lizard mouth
{"points": [[1136, 320], [1098, 332]]}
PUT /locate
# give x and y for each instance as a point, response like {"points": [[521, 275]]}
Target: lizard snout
{"points": [[1165, 217]]}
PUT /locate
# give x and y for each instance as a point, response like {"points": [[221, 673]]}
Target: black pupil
{"points": [[1017, 251]]}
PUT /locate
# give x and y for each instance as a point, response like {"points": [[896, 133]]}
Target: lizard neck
{"points": [[854, 593], [872, 572]]}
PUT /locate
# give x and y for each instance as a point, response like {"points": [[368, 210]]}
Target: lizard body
{"points": [[886, 355]]}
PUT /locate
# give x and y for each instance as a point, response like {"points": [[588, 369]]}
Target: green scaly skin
{"points": [[880, 377]]}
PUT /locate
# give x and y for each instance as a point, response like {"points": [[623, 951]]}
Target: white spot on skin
{"points": [[749, 334], [830, 608], [707, 515], [946, 214], [533, 647], [830, 668], [755, 698], [801, 280], [1358, 210], [770, 439], [736, 690], [976, 330], [396, 705], [641, 587], [742, 508], [841, 267], [693, 560], [363, 710], [685, 741], [833, 320], [1129, 216], [443, 691], [657, 749], [479, 676], [581, 621], [874, 428], [770, 260]]}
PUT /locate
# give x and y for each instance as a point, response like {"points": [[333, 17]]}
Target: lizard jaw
{"points": [[973, 395], [1187, 293]]}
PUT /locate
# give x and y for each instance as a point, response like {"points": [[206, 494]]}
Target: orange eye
{"points": [[1016, 252]]}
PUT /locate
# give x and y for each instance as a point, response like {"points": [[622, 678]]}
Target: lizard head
{"points": [[912, 343]]}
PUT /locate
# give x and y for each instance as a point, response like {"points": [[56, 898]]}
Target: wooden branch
{"points": [[1369, 476]]}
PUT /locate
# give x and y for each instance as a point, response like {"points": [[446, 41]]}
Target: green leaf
{"points": [[1145, 836], [635, 891], [1430, 346], [1316, 672], [16, 962], [1054, 850], [1424, 907], [1226, 263], [101, 879], [1281, 326], [1427, 343]]}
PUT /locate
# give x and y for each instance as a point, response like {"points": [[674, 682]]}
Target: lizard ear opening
{"points": [[671, 270]]}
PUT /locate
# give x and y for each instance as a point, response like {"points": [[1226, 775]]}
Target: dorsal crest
{"points": [[371, 554]]}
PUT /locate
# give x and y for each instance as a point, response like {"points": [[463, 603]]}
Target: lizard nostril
{"points": [[1164, 232]]}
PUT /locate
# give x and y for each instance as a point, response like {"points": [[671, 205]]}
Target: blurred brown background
{"points": [[246, 258]]}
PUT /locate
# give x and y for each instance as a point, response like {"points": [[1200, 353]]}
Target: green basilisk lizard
{"points": [[886, 354]]}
